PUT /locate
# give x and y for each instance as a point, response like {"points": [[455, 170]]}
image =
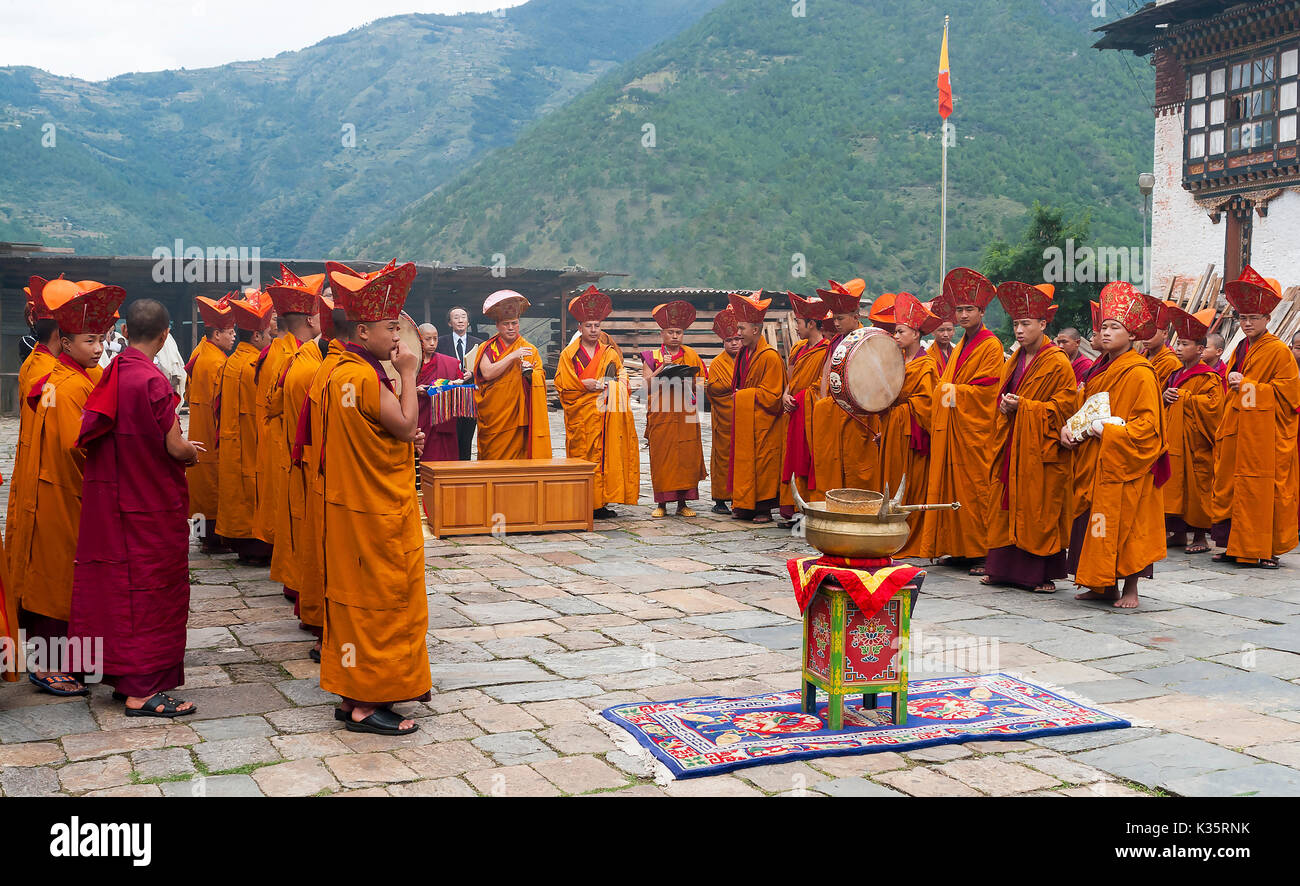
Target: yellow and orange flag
{"points": [[945, 83]]}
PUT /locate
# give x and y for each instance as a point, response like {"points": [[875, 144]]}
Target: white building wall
{"points": [[1183, 239], [1275, 245]]}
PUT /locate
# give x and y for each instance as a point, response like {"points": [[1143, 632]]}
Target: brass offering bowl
{"points": [[854, 501], [859, 535]]}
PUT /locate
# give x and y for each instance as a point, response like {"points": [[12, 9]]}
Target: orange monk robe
{"points": [[237, 450], [204, 370], [290, 530], [512, 420], [1030, 506], [905, 441], [271, 455], [376, 609], [805, 372], [721, 369], [45, 527], [758, 428], [39, 363], [1190, 425], [598, 425], [1165, 364], [961, 448], [307, 457], [672, 428], [1118, 508], [1255, 470], [939, 356]]}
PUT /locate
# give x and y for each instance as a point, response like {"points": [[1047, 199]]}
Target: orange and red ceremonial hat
{"points": [[881, 313], [1024, 302], [1193, 327], [252, 314], [1253, 294], [844, 298], [940, 309], [374, 296], [590, 305], [38, 307], [91, 310], [326, 314], [808, 308], [724, 324], [910, 312], [216, 314], [962, 286], [292, 294], [749, 308], [674, 315], [1129, 308]]}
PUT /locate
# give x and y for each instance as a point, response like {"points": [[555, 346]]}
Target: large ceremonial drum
{"points": [[866, 370], [410, 336]]}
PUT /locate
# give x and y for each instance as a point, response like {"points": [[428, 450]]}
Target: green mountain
{"points": [[297, 153], [818, 135]]}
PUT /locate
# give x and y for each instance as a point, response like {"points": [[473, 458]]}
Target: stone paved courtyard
{"points": [[529, 634]]}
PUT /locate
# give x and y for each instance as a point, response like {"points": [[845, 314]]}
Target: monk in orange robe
{"points": [[297, 304], [238, 431], [758, 421], [941, 348], [672, 422], [846, 447], [1119, 463], [1030, 509], [905, 441], [45, 527], [1255, 462], [1193, 398], [593, 388], [306, 474], [804, 374], [373, 652], [1156, 349], [961, 440], [38, 365], [718, 387], [511, 395], [204, 373], [267, 410]]}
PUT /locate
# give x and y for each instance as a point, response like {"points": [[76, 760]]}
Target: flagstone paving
{"points": [[531, 634]]}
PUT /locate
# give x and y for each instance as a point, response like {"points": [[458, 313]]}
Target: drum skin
{"points": [[410, 336], [866, 371]]}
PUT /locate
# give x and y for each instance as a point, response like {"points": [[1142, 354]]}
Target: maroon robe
{"points": [[440, 439], [131, 582], [1081, 365]]}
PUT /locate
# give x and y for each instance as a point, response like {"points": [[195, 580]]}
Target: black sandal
{"points": [[1221, 557], [1268, 563], [381, 722], [49, 684], [314, 655], [170, 707]]}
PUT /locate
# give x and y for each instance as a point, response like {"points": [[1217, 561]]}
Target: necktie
{"points": [[460, 352]]}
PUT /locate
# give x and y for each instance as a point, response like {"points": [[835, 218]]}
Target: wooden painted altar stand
{"points": [[507, 496]]}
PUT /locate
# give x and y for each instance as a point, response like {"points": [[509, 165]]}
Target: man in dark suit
{"points": [[458, 343]]}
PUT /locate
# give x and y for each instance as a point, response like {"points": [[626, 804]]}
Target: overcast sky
{"points": [[95, 39]]}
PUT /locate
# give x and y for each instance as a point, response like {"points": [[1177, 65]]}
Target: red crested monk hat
{"points": [[910, 312], [1129, 308], [1024, 302], [292, 294], [373, 297], [748, 308], [724, 324], [590, 305], [843, 298], [674, 315], [814, 309], [91, 311], [1252, 293]]}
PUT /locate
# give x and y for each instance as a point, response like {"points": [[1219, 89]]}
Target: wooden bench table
{"points": [[507, 495]]}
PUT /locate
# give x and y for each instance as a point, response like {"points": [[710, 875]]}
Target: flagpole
{"points": [[943, 194]]}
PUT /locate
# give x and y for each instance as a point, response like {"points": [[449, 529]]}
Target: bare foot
{"points": [[1110, 593], [1128, 601]]}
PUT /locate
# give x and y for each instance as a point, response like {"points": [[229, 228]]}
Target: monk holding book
{"points": [[511, 395], [1119, 461], [673, 373]]}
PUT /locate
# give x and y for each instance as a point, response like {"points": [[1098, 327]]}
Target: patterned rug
{"points": [[707, 736]]}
